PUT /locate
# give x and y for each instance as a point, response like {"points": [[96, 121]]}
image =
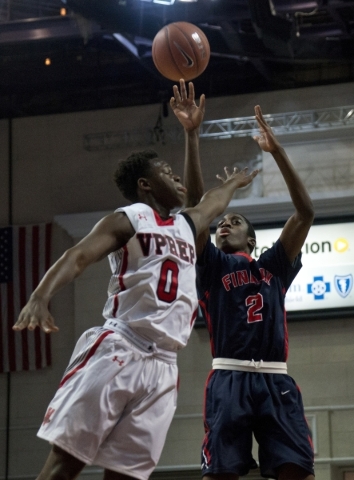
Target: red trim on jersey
{"points": [[310, 441], [90, 353], [123, 269], [115, 305], [206, 426], [205, 450], [209, 324], [244, 254], [309, 438], [286, 335], [211, 373], [122, 287], [161, 222], [286, 339], [194, 316]]}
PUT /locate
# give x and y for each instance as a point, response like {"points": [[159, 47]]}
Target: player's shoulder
{"points": [[209, 254], [276, 250], [140, 215], [135, 208]]}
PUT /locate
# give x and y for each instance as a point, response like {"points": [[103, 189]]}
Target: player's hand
{"points": [[35, 314], [241, 177], [184, 107], [266, 140]]}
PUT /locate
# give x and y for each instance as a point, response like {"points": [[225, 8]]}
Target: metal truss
{"points": [[281, 123]]}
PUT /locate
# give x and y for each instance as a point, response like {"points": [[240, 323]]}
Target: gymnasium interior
{"points": [[79, 91]]}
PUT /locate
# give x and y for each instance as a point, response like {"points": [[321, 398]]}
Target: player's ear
{"points": [[144, 184], [251, 242]]}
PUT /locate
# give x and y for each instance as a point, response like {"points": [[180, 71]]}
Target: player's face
{"points": [[232, 234], [166, 186]]}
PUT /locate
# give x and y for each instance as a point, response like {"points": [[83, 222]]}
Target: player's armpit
{"points": [[108, 235]]}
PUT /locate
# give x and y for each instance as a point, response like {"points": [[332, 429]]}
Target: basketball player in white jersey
{"points": [[117, 397]]}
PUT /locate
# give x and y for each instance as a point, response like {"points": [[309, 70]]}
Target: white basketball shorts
{"points": [[114, 404]]}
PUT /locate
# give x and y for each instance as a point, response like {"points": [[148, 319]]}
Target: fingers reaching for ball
{"points": [[184, 107], [180, 94]]}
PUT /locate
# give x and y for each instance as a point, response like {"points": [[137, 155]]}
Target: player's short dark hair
{"points": [[250, 230], [129, 171]]}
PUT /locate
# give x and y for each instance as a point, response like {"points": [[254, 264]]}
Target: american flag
{"points": [[24, 258]]}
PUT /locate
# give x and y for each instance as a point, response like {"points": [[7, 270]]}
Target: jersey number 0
{"points": [[168, 282]]}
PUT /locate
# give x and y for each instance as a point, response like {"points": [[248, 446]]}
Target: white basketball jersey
{"points": [[153, 283]]}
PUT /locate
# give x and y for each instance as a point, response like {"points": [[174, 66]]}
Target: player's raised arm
{"points": [[296, 228], [217, 199], [190, 115], [109, 234]]}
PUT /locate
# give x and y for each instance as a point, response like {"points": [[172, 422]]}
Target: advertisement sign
{"points": [[326, 279]]}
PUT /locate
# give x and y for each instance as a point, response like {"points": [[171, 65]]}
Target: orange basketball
{"points": [[180, 50]]}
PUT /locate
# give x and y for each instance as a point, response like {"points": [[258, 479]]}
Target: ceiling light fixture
{"points": [[163, 2]]}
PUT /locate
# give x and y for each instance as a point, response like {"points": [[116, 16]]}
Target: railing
{"points": [[15, 10], [345, 461]]}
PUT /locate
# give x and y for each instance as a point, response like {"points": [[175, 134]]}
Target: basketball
{"points": [[180, 50]]}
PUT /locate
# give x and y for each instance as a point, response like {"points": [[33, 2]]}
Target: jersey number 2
{"points": [[254, 304], [168, 282]]}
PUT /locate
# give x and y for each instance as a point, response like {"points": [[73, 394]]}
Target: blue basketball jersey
{"points": [[242, 300]]}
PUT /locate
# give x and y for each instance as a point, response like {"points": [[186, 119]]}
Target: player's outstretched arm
{"points": [[217, 199], [296, 228], [190, 116], [110, 234]]}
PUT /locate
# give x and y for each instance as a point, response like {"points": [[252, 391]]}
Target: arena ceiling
{"points": [[100, 51]]}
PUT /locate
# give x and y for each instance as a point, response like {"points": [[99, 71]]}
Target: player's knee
{"points": [[221, 476], [60, 465], [59, 473], [290, 471], [110, 475]]}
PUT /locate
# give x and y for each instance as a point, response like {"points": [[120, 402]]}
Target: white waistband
{"points": [[140, 342], [249, 365]]}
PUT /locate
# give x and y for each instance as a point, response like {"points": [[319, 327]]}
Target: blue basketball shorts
{"points": [[269, 406]]}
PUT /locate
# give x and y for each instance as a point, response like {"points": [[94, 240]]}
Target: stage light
{"points": [[127, 44], [161, 2], [164, 2]]}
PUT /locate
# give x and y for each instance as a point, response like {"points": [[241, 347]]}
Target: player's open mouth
{"points": [[224, 232]]}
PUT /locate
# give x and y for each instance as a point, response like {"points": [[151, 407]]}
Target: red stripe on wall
{"points": [[23, 293], [1, 336], [26, 349], [35, 281], [47, 262], [10, 322]]}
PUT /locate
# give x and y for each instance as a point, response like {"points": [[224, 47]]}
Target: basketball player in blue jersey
{"points": [[248, 390], [117, 397]]}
